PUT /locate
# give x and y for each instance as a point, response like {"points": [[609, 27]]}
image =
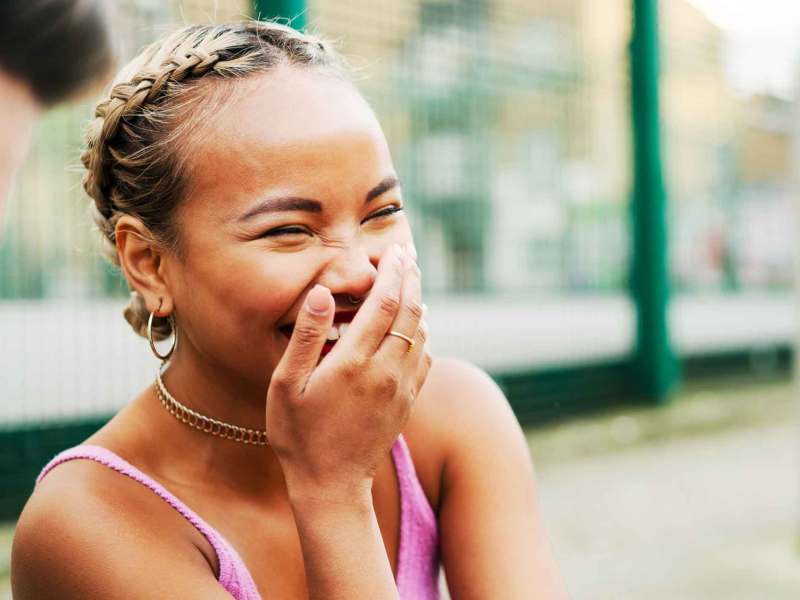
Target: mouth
{"points": [[341, 323]]}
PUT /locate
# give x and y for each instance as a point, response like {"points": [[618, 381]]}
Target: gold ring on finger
{"points": [[403, 336]]}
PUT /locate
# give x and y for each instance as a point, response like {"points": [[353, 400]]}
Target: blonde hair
{"points": [[136, 146]]}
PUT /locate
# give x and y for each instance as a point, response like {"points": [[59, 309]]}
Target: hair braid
{"points": [[135, 145]]}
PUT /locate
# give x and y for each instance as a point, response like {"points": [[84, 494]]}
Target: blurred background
{"points": [[603, 196]]}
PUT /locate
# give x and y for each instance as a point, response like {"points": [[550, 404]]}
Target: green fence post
{"points": [[655, 364], [293, 10]]}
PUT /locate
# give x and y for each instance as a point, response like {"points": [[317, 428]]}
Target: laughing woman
{"points": [[246, 191]]}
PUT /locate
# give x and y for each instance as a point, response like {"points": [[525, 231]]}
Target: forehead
{"points": [[294, 130]]}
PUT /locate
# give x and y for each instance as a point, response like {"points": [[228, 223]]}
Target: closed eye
{"points": [[285, 231], [389, 210], [295, 230]]}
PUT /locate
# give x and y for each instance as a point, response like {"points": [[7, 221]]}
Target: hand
{"points": [[331, 424]]}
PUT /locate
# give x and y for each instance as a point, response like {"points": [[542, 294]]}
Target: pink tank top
{"points": [[418, 553]]}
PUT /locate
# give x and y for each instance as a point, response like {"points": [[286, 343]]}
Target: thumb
{"points": [[309, 335]]}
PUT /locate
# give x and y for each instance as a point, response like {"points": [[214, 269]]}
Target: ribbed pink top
{"points": [[418, 554]]}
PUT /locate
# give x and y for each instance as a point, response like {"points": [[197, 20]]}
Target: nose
{"points": [[351, 274]]}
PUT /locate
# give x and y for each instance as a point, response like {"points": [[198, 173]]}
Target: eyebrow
{"points": [[294, 203], [384, 186]]}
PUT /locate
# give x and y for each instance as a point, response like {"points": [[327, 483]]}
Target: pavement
{"points": [[694, 501]]}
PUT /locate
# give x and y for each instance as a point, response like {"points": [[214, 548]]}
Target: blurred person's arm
{"points": [[492, 539], [50, 51], [17, 119]]}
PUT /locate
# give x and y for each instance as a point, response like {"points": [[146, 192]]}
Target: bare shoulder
{"points": [[490, 529], [83, 528], [460, 400], [460, 409]]}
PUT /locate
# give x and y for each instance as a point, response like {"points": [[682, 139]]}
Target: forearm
{"points": [[343, 550]]}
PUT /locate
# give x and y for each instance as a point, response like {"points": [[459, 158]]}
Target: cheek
{"points": [[246, 293], [398, 232]]}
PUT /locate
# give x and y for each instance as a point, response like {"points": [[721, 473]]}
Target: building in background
{"points": [[699, 128], [730, 166], [762, 233], [503, 117]]}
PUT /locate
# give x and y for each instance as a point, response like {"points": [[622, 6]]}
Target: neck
{"points": [[195, 456], [214, 391]]}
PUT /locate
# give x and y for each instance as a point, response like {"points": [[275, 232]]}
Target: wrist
{"points": [[314, 497]]}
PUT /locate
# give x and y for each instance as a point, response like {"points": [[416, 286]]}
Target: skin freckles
{"points": [[292, 133]]}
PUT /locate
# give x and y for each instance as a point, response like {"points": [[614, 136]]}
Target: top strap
{"points": [[418, 553], [229, 576]]}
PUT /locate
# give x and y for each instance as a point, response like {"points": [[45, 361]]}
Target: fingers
{"points": [[410, 313], [421, 338], [310, 331], [418, 362], [425, 360], [417, 355], [374, 318]]}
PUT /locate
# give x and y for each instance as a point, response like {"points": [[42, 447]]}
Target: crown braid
{"points": [[135, 146]]}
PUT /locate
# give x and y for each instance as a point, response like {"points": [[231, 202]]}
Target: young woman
{"points": [[247, 192]]}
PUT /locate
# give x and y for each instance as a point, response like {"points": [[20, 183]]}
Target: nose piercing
{"points": [[353, 299]]}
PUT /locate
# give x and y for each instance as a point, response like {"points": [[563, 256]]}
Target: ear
{"points": [[141, 259]]}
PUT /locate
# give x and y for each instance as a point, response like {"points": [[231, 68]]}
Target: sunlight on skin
{"points": [[294, 134]]}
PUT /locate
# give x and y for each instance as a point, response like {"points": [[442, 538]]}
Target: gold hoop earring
{"points": [[171, 318]]}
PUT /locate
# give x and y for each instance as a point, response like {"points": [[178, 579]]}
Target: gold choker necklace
{"points": [[206, 424]]}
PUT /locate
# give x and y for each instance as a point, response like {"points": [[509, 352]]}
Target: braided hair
{"points": [[135, 146]]}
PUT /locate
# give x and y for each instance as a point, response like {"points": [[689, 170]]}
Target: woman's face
{"points": [[291, 185]]}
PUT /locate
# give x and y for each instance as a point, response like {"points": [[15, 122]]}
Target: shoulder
{"points": [[84, 526], [101, 493], [474, 425], [488, 517], [460, 417], [461, 401], [457, 380]]}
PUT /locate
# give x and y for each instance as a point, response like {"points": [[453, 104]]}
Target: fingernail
{"points": [[424, 309], [398, 251], [317, 300], [411, 250]]}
